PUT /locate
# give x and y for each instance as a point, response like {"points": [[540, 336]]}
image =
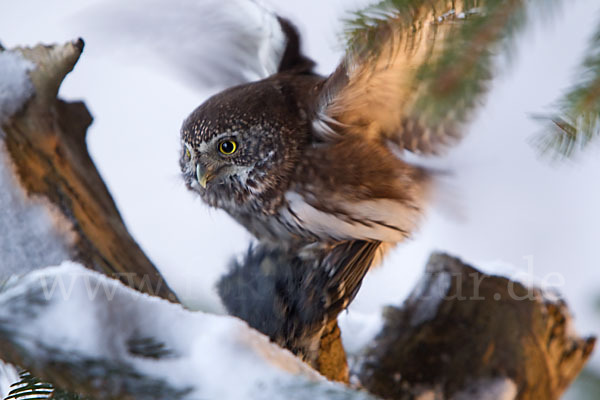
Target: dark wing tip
{"points": [[293, 59]]}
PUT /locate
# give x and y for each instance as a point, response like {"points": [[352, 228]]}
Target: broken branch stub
{"points": [[463, 334], [46, 144]]}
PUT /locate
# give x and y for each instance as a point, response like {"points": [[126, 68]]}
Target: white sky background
{"points": [[512, 206]]}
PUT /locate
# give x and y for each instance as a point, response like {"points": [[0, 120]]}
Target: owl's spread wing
{"points": [[208, 42], [374, 90]]}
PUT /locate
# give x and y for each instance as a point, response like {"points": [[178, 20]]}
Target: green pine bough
{"points": [[452, 84]]}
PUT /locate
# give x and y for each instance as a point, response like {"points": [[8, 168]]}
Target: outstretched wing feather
{"points": [[374, 90]]}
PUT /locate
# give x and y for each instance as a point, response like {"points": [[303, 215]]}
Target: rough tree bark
{"points": [[462, 333], [46, 142]]}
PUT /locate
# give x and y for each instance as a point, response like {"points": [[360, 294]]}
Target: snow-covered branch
{"points": [[92, 335]]}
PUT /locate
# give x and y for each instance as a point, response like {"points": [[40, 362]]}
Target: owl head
{"points": [[242, 143]]}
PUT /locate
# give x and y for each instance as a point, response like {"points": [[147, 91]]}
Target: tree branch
{"points": [[46, 144]]}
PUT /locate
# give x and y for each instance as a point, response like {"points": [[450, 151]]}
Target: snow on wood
{"points": [[15, 85], [63, 193], [34, 234], [94, 335]]}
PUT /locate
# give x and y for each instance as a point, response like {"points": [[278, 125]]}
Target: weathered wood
{"points": [[462, 332], [46, 142]]}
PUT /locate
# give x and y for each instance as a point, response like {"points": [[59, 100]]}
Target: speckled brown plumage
{"points": [[316, 158], [272, 123]]}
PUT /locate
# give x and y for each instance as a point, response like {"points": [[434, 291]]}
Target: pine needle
{"points": [[452, 84], [576, 121]]}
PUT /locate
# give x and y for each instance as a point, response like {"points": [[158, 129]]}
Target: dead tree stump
{"points": [[463, 334]]}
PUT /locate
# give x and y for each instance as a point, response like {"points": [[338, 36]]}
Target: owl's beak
{"points": [[203, 175]]}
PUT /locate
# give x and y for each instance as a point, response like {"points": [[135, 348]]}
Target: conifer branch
{"points": [[576, 121], [453, 81]]}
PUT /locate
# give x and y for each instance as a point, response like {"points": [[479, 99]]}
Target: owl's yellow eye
{"points": [[188, 155], [228, 147]]}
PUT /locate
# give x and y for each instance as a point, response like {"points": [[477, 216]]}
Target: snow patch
{"points": [[482, 389], [15, 85], [429, 293], [359, 330], [489, 389], [548, 287], [35, 234], [509, 271]]}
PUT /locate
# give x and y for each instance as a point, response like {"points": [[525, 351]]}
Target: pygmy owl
{"points": [[300, 159]]}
